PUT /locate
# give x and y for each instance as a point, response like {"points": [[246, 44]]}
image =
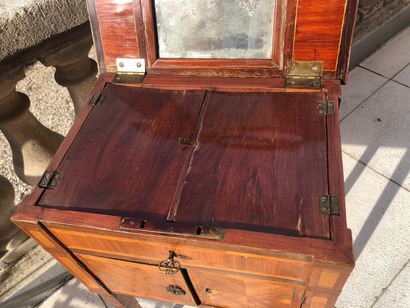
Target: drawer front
{"points": [[139, 280], [236, 291], [188, 256]]}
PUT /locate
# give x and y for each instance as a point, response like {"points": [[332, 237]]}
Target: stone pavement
{"points": [[375, 126], [375, 123]]}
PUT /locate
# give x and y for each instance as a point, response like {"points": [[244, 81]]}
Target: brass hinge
{"points": [[326, 108], [130, 70], [304, 74], [50, 179], [97, 100], [329, 205]]}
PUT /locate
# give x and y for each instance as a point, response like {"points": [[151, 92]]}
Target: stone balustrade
{"points": [[56, 33]]}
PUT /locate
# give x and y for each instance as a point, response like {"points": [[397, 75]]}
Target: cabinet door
{"points": [[126, 159], [223, 289], [254, 164], [137, 279]]}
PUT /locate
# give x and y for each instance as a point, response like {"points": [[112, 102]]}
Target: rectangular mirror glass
{"points": [[221, 29]]}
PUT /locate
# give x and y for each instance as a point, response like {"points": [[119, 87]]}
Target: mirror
{"points": [[219, 29]]}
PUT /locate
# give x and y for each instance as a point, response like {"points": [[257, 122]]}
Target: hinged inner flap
{"points": [[254, 161], [126, 158], [260, 163]]}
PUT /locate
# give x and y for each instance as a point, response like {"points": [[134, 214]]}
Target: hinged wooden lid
{"points": [[171, 161], [242, 38]]}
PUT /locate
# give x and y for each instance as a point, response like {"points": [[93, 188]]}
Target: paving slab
{"points": [[73, 295], [397, 294], [361, 84], [377, 133], [392, 57], [404, 76], [377, 213]]}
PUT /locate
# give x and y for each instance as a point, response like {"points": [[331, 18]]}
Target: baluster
{"points": [[74, 70], [32, 144], [368, 7], [10, 236], [7, 229], [14, 244]]}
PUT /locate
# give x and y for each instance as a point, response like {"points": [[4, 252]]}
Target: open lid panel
{"points": [[240, 38], [211, 159]]}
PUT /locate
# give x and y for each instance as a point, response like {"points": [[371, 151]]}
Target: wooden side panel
{"points": [[331, 277], [318, 31], [52, 247], [234, 291], [138, 279], [325, 284], [117, 30], [319, 299]]}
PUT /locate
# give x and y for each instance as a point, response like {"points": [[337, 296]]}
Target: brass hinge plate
{"points": [[329, 205], [304, 74], [326, 108], [130, 70], [50, 179]]}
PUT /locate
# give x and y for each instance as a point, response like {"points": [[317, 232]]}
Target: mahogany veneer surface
{"points": [[257, 161], [126, 158], [252, 151]]}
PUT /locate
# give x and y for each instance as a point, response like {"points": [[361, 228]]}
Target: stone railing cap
{"points": [[26, 23]]}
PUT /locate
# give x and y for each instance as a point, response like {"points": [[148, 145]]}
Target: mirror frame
{"points": [[284, 11]]}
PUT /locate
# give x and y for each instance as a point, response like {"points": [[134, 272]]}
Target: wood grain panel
{"points": [[234, 291], [318, 31], [116, 21], [326, 276], [254, 165], [245, 262], [60, 254], [319, 299], [128, 145], [43, 239], [138, 279]]}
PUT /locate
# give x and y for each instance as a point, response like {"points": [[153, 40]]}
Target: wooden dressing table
{"points": [[207, 168]]}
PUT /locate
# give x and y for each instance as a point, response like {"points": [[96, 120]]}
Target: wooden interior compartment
{"points": [[224, 289], [137, 279], [301, 33], [132, 248]]}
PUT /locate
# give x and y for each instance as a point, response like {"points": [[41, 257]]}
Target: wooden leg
{"points": [[7, 229], [128, 301]]}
